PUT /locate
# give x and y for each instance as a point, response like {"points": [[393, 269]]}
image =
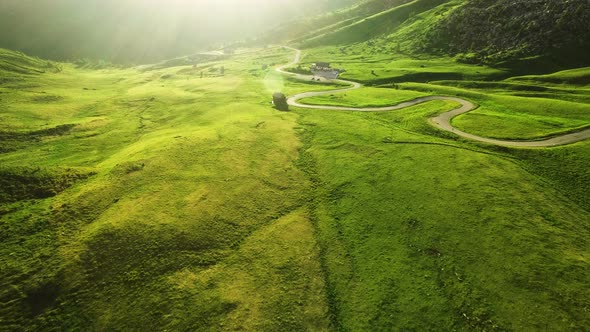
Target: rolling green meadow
{"points": [[174, 197], [159, 198]]}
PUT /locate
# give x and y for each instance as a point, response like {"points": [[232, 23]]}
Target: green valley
{"points": [[175, 197]]}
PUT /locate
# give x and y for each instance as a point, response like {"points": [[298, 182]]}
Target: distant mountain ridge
{"points": [[139, 31], [490, 31], [374, 26], [297, 30], [129, 31]]}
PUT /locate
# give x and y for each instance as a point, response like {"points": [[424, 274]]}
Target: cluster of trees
{"points": [[497, 30]]}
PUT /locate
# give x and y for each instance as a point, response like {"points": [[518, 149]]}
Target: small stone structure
{"points": [[280, 101], [323, 69]]}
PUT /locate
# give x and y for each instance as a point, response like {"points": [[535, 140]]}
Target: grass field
{"points": [[178, 193], [366, 97], [160, 198], [375, 64], [524, 118], [419, 227], [510, 116]]}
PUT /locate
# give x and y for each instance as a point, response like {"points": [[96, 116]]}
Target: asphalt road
{"points": [[442, 121]]}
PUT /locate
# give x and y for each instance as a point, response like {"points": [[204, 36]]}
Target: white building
{"points": [[323, 69]]}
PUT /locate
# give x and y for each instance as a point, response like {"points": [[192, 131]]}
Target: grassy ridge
{"points": [[373, 26], [578, 76], [19, 184], [502, 30], [302, 29], [19, 63]]}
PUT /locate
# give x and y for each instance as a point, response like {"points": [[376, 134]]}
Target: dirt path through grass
{"points": [[442, 121]]}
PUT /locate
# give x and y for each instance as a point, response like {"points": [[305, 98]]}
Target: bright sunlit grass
{"points": [[175, 197]]}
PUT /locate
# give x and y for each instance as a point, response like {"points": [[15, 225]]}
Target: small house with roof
{"points": [[323, 69]]}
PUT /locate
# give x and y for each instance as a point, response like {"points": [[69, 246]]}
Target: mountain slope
{"points": [[131, 31], [544, 36], [12, 62], [374, 26], [503, 29], [300, 29]]}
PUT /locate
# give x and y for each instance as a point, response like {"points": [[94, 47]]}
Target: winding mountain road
{"points": [[443, 121]]}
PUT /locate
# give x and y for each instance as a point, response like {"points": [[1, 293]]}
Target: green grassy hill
{"points": [[310, 26], [146, 208], [175, 197], [373, 26], [545, 35], [14, 63], [501, 30]]}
